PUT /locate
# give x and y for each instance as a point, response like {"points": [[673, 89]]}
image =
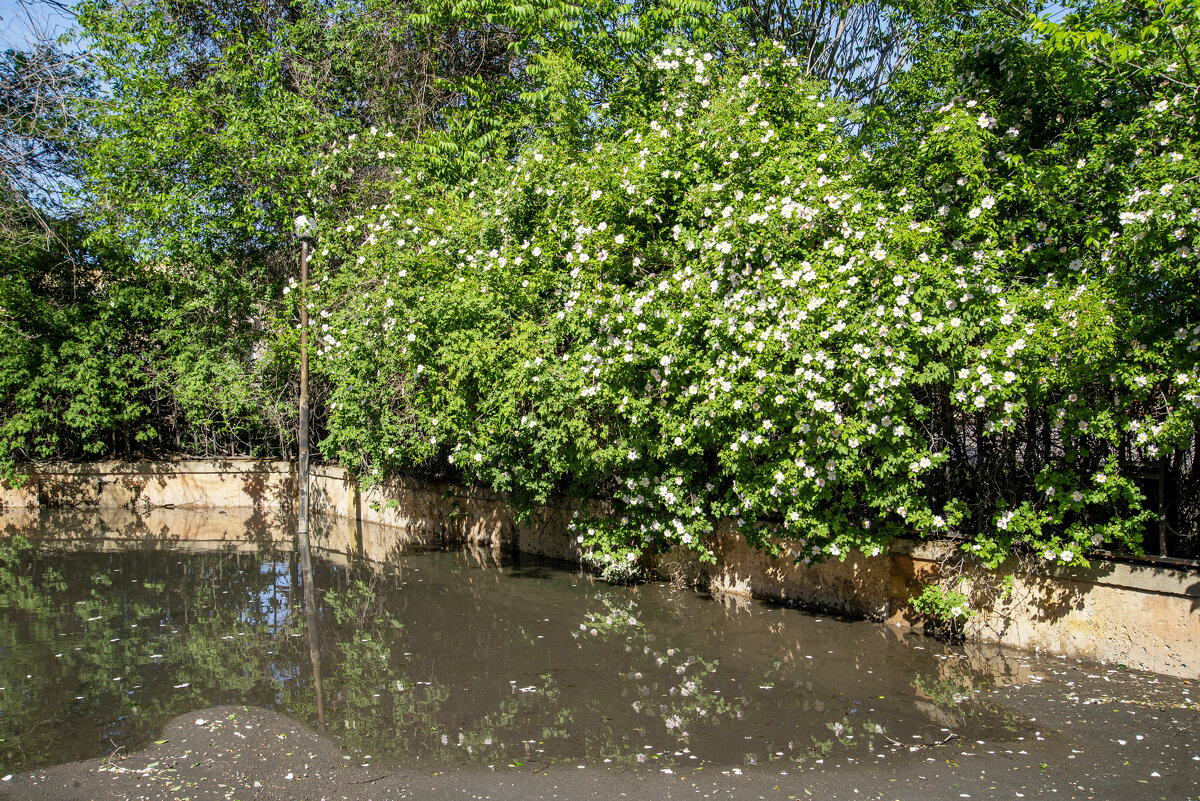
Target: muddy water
{"points": [[452, 656]]}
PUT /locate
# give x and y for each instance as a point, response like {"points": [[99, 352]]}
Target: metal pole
{"points": [[302, 528], [306, 567]]}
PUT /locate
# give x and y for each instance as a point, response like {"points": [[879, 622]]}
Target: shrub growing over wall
{"points": [[689, 285], [727, 306]]}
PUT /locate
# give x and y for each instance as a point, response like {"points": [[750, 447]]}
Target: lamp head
{"points": [[306, 228]]}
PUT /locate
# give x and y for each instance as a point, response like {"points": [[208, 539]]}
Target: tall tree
{"points": [[43, 89]]}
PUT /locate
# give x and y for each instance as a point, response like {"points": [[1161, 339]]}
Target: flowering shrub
{"points": [[725, 307], [942, 604], [946, 611]]}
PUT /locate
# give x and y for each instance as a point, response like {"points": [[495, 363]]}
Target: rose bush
{"points": [[727, 306]]}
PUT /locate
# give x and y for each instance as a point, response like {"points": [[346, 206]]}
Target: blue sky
{"points": [[21, 21]]}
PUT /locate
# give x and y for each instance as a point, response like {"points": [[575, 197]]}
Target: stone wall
{"points": [[1139, 615]]}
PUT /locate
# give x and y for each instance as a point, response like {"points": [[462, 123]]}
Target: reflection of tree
{"points": [[97, 656], [499, 666], [108, 655], [952, 696], [373, 704], [663, 683], [378, 706], [24, 672], [687, 698]]}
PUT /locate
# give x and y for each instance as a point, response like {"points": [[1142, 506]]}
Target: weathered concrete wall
{"points": [[200, 484], [858, 586], [447, 511], [1143, 616], [234, 529]]}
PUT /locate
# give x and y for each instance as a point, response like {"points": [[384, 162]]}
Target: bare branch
{"points": [[41, 89]]}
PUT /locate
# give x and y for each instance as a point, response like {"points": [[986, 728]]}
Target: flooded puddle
{"points": [[452, 656]]}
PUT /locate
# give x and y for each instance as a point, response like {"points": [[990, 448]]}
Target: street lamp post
{"points": [[306, 230]]}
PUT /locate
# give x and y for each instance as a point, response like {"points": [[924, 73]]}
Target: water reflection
{"points": [[441, 656], [312, 619]]}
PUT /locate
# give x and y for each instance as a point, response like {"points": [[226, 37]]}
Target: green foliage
{"points": [[203, 147], [74, 353], [947, 606], [576, 63], [615, 251], [101, 358], [722, 308], [218, 122]]}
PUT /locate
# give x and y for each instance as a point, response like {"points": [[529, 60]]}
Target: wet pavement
{"points": [[250, 753], [163, 671]]}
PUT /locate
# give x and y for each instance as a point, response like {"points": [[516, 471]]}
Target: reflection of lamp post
{"points": [[312, 623], [306, 230]]}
